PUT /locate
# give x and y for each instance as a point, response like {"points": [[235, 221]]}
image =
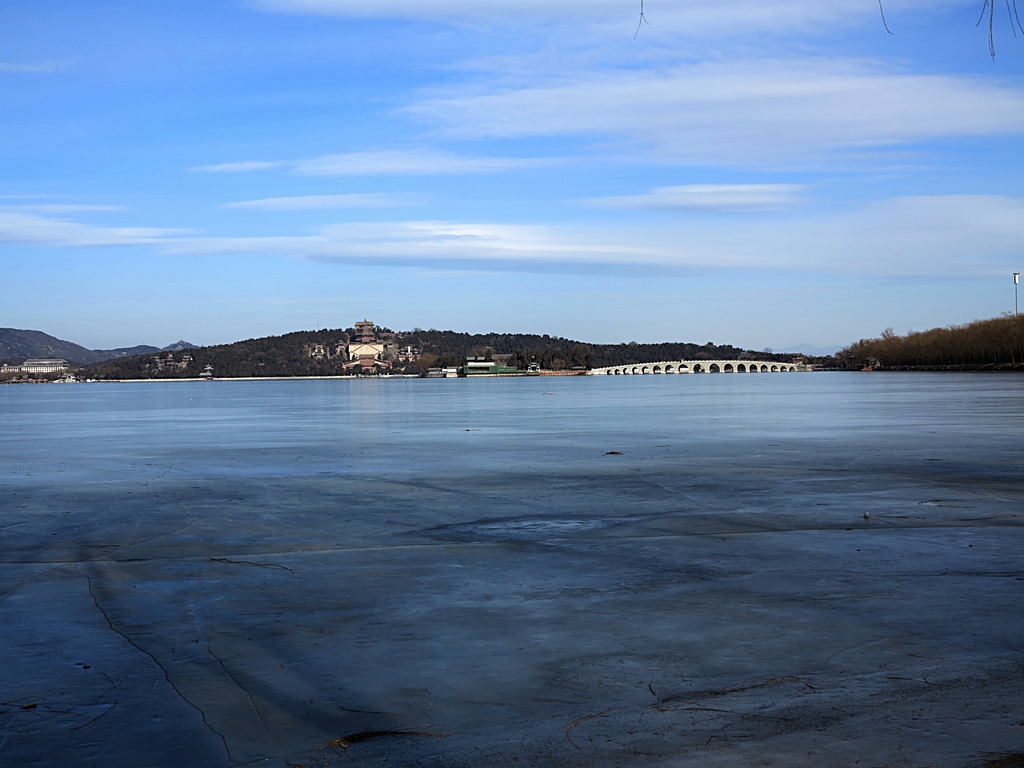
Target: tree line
{"points": [[286, 355], [290, 354], [998, 342]]}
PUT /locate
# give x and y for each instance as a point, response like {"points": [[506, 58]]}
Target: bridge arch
{"points": [[702, 366]]}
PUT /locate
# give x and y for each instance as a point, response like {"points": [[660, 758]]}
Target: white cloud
{"points": [[711, 197], [34, 67], [950, 235], [41, 230], [436, 241], [419, 161], [383, 162], [319, 202], [754, 112], [61, 208], [690, 17], [244, 166], [957, 235]]}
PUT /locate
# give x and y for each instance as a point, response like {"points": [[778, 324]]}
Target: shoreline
{"points": [[990, 368]]}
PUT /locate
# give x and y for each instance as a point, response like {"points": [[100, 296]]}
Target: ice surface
{"points": [[237, 573]]}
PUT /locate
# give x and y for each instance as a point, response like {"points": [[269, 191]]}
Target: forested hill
{"points": [[287, 355], [560, 353], [318, 353], [555, 352], [17, 345], [984, 344]]}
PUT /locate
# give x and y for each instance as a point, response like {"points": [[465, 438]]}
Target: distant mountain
{"points": [[22, 344], [177, 346]]}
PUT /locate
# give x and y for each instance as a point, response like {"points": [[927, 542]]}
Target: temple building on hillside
{"points": [[366, 350]]}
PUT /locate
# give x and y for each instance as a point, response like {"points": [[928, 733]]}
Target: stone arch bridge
{"points": [[700, 366]]}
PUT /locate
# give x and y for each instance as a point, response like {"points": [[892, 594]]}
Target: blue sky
{"points": [[758, 173]]}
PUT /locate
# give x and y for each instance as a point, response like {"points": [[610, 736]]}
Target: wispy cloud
{"points": [[244, 166], [710, 197], [383, 162], [57, 208], [436, 242], [417, 161], [683, 16], [320, 202], [952, 235], [35, 67], [935, 235], [751, 112], [42, 230]]}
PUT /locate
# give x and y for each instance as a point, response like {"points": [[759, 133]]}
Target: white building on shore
{"points": [[38, 365]]}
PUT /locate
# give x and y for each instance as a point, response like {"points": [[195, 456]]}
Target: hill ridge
{"points": [[22, 344]]}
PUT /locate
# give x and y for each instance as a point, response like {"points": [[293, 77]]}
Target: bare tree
{"points": [[1011, 10], [988, 6], [643, 20]]}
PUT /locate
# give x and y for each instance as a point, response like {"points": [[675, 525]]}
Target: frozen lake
{"points": [[718, 570]]}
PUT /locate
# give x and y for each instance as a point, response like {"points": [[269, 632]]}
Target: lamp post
{"points": [[1016, 282]]}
